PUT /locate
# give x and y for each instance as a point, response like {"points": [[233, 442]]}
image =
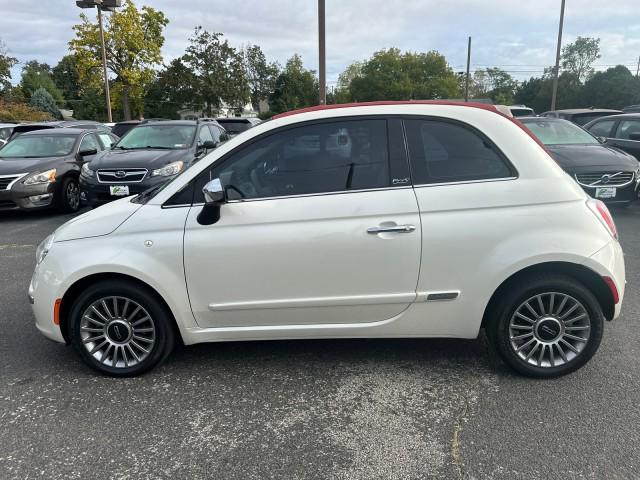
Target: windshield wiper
{"points": [[159, 147], [121, 148], [144, 196]]}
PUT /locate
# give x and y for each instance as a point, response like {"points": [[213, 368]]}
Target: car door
{"points": [[627, 136], [321, 227]]}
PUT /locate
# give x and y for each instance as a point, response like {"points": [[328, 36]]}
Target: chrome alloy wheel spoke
{"points": [[118, 332], [549, 329]]}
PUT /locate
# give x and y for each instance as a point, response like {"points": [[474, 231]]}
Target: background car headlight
{"points": [[44, 177], [86, 171], [168, 170], [44, 248]]}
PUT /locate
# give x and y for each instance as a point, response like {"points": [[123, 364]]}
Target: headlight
{"points": [[168, 170], [43, 249], [86, 171], [45, 177]]}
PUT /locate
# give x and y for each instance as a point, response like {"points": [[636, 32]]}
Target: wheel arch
{"points": [[76, 289], [589, 278]]}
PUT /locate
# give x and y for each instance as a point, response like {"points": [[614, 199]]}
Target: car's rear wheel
{"points": [[547, 326], [120, 328], [69, 201]]}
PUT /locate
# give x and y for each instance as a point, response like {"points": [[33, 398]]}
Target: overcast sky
{"points": [[516, 35]]}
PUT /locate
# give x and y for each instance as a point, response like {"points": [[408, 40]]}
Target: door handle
{"points": [[393, 229]]}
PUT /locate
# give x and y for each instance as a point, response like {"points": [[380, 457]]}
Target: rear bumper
{"points": [[609, 262]]}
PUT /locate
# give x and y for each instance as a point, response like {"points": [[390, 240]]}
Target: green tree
{"points": [[536, 92], [6, 64], [42, 101], [133, 40], [495, 84], [261, 75], [295, 87], [617, 87], [36, 75], [174, 88], [527, 92], [219, 71], [343, 89], [577, 57], [393, 75], [67, 78], [90, 106]]}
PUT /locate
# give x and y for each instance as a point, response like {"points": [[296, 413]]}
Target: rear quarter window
{"points": [[445, 152]]}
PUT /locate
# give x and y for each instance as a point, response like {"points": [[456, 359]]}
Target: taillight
{"points": [[601, 211]]}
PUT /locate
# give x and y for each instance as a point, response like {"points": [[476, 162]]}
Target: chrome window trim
{"points": [[20, 176], [464, 182]]}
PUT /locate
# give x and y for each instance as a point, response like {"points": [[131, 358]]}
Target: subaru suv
{"points": [[148, 155], [420, 219]]}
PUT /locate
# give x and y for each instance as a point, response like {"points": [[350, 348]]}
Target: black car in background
{"points": [[148, 155], [580, 116], [236, 125], [41, 168], [603, 171], [622, 131], [79, 124]]}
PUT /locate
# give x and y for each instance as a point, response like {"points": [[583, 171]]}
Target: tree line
{"points": [[212, 74]]}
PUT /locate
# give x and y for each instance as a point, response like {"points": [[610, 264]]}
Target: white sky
{"points": [[518, 36]]}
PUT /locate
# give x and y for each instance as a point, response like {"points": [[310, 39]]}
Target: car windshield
{"points": [[34, 146], [560, 133], [158, 136]]}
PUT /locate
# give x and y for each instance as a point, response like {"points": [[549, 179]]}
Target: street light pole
{"points": [[107, 6], [322, 53], [466, 81], [104, 66], [556, 69]]}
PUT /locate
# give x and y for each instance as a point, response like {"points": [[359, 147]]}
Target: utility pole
{"points": [[106, 5], [638, 68], [466, 82], [556, 69], [322, 52]]}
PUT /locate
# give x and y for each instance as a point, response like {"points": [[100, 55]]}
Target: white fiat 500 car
{"points": [[414, 219]]}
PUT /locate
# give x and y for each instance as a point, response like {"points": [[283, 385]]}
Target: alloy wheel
{"points": [[72, 195], [549, 329], [117, 331]]}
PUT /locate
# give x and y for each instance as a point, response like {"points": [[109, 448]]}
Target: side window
{"points": [[603, 128], [89, 142], [627, 128], [215, 132], [204, 135], [106, 139], [326, 157], [443, 152]]}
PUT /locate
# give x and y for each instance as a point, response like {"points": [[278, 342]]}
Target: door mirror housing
{"points": [[214, 193], [602, 139], [88, 152], [634, 136], [214, 197], [206, 145]]}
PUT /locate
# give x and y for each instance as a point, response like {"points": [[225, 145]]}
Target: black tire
{"points": [[498, 325], [69, 196], [164, 334]]}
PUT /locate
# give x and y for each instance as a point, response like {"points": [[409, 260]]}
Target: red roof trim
{"points": [[482, 106]]}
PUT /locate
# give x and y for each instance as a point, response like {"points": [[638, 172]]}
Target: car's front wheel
{"points": [[120, 329], [547, 326], [69, 201]]}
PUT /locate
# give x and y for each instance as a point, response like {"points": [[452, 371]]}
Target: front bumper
{"points": [[42, 296], [31, 197], [624, 195], [94, 193]]}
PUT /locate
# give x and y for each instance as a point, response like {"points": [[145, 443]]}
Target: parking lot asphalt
{"points": [[361, 409]]}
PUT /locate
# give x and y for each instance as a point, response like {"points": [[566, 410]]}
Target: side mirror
{"points": [[87, 153], [634, 136], [602, 139], [214, 197], [208, 145]]}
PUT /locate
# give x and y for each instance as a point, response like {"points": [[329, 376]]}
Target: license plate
{"points": [[123, 190], [605, 192]]}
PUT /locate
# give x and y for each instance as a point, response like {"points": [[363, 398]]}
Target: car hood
{"points": [[150, 159], [97, 222], [585, 158], [27, 165]]}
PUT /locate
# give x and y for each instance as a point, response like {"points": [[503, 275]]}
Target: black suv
{"points": [[580, 116], [622, 131], [148, 155]]}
